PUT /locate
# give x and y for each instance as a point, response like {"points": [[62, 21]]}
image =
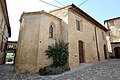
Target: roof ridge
{"points": [[85, 15], [111, 19], [39, 12]]}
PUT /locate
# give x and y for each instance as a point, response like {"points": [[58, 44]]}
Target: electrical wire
{"points": [[59, 2], [82, 2], [49, 4]]}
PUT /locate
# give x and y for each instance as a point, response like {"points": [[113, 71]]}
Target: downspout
{"points": [[98, 55]]}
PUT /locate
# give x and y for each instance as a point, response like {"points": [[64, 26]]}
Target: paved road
{"points": [[103, 70]]}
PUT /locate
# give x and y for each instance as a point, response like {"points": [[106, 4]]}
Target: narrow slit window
{"points": [[78, 25], [103, 35], [111, 23], [51, 31]]}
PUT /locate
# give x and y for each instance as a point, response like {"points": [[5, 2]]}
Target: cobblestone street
{"points": [[103, 70]]}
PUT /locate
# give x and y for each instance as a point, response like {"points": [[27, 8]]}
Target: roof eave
{"points": [[111, 19], [34, 13], [85, 15]]}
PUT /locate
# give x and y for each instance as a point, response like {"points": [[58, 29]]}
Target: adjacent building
{"points": [[5, 30], [86, 37], [113, 36]]}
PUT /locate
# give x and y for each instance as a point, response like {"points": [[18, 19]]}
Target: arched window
{"points": [[51, 31]]}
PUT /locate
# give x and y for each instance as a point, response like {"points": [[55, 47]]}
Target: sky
{"points": [[100, 10]]}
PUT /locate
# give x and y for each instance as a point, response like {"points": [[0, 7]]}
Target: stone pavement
{"points": [[103, 70]]}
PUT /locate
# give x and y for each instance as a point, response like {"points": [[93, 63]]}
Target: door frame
{"points": [[81, 51], [105, 51]]}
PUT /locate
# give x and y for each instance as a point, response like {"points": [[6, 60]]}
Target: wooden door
{"points": [[81, 52], [117, 52], [105, 52]]}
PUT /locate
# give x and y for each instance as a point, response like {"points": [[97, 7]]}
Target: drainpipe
{"points": [[98, 55]]}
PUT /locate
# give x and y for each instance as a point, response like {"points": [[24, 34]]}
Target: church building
{"points": [[86, 38]]}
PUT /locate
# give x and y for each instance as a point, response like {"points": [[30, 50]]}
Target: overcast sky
{"points": [[98, 9]]}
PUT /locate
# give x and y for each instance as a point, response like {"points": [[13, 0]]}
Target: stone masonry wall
{"points": [[86, 35], [34, 40], [3, 34], [114, 34]]}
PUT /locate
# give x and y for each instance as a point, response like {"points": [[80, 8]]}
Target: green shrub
{"points": [[59, 54], [42, 71], [9, 60], [50, 70]]}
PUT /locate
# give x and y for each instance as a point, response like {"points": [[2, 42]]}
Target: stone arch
{"points": [[52, 30], [52, 23]]}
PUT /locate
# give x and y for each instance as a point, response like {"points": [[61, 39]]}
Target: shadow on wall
{"points": [[115, 53]]}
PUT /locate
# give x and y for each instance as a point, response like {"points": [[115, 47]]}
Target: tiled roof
{"points": [[112, 19], [82, 13], [88, 17], [38, 12]]}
